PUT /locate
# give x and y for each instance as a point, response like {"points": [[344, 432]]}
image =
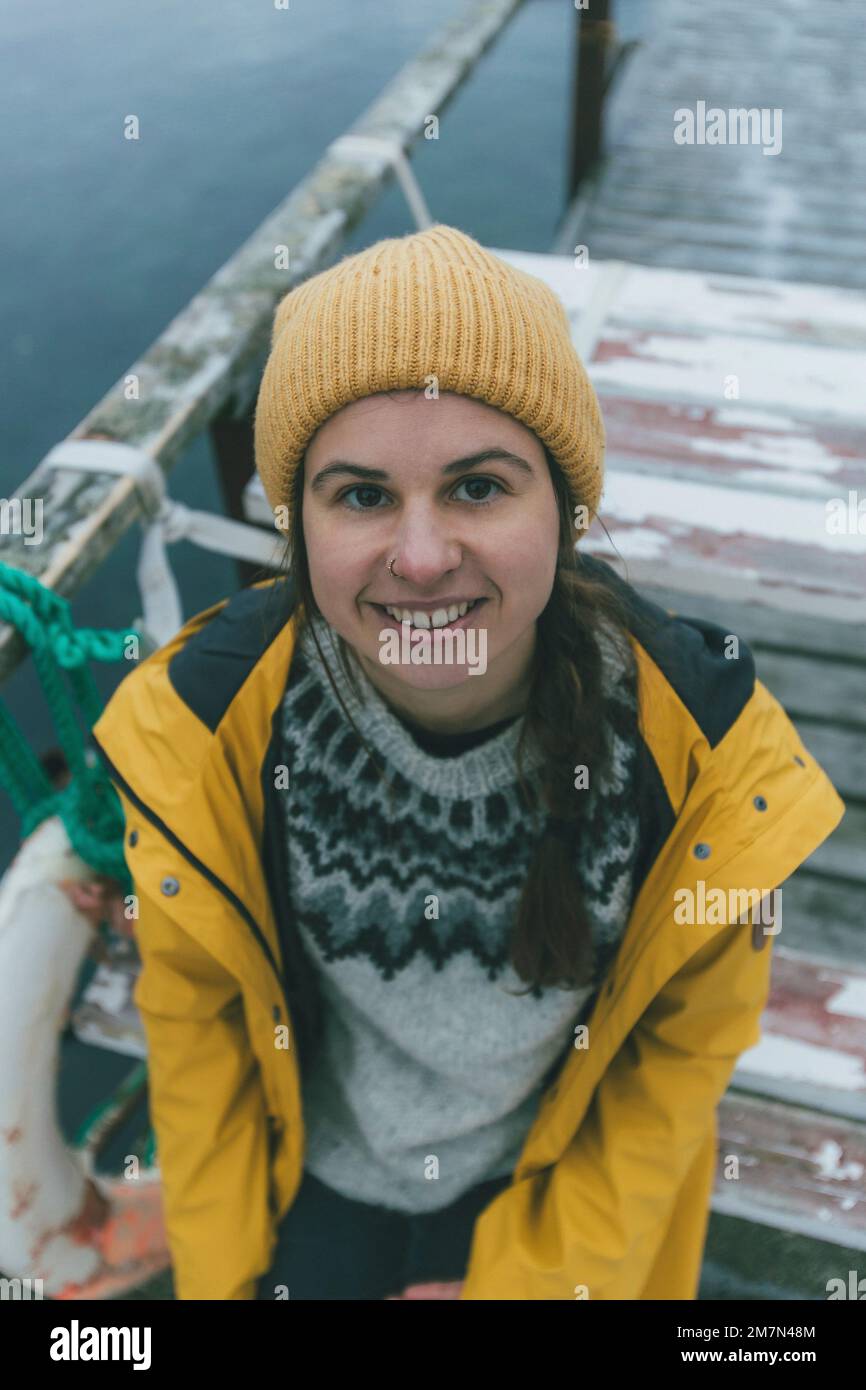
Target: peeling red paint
{"points": [[797, 1008], [675, 436], [782, 1151], [775, 564]]}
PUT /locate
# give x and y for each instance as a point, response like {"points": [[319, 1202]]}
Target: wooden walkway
{"points": [[796, 215], [729, 265]]}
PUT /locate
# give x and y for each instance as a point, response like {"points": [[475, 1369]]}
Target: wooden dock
{"points": [[796, 215]]}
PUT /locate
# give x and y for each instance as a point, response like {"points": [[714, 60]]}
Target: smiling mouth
{"points": [[438, 620]]}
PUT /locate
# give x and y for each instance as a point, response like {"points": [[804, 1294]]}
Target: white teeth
{"points": [[438, 618]]}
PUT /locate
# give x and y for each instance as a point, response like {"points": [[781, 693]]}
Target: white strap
{"points": [[169, 521], [353, 146], [109, 456]]}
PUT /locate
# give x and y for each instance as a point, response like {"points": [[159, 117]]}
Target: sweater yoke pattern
{"points": [[433, 1046]]}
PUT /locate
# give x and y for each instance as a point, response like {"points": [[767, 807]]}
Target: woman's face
{"points": [[396, 477]]}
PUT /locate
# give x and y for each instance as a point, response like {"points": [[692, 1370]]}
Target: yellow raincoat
{"points": [[610, 1196]]}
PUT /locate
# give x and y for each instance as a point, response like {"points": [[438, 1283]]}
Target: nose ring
{"points": [[391, 567]]}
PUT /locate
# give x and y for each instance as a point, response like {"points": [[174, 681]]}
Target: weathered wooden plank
{"points": [[626, 192], [744, 306], [771, 629], [742, 156], [832, 691], [733, 305], [778, 263], [841, 753], [824, 916], [735, 445], [625, 170], [210, 357], [750, 547], [797, 1170], [843, 855], [697, 225], [812, 1049], [656, 138], [806, 382]]}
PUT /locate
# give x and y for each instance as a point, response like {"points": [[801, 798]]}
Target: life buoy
{"points": [[82, 1235]]}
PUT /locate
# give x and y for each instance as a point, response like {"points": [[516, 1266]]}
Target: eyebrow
{"points": [[378, 475]]}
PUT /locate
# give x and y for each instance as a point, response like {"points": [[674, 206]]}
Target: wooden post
{"points": [[594, 36]]}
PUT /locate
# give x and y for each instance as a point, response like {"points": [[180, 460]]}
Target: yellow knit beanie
{"points": [[433, 304]]}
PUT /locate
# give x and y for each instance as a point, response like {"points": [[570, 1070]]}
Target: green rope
{"points": [[88, 805]]}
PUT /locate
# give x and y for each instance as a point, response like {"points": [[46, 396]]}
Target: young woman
{"points": [[410, 826]]}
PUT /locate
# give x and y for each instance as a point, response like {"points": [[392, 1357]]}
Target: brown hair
{"points": [[566, 716]]}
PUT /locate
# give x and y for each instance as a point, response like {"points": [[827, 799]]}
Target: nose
{"points": [[425, 549]]}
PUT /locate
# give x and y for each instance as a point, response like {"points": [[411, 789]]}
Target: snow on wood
{"points": [[795, 1170]]}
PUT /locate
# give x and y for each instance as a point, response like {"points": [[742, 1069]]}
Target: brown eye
{"points": [[484, 482], [362, 488]]}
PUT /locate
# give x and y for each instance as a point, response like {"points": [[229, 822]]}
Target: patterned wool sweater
{"points": [[431, 1064]]}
